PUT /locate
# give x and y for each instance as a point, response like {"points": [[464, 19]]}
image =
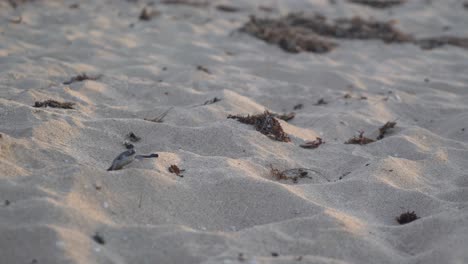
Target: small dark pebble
{"points": [[298, 106], [7, 202], [274, 254], [99, 239]]}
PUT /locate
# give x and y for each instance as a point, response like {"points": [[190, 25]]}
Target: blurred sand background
{"points": [[58, 204]]}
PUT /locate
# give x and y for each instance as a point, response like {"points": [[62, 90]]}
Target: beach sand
{"points": [[59, 204]]}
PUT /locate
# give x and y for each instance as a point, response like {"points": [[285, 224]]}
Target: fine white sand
{"points": [[55, 192]]}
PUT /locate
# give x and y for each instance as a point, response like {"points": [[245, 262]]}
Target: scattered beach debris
{"points": [[288, 37], [98, 238], [241, 257], [212, 101], [194, 3], [147, 14], [407, 217], [176, 170], [321, 101], [285, 117], [298, 106], [159, 119], [226, 8], [293, 174], [54, 104], [347, 96], [378, 3], [82, 77], [74, 6], [266, 124], [203, 69], [384, 129], [126, 158], [132, 137], [360, 140], [312, 144]]}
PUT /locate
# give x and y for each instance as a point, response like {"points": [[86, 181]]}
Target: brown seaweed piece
{"points": [[384, 129], [54, 104], [360, 140], [266, 124], [176, 170]]}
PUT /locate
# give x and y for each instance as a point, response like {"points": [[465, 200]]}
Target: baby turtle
{"points": [[128, 157]]}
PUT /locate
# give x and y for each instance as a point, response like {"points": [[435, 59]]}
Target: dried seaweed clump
{"points": [[290, 38], [407, 217], [354, 28], [54, 104], [436, 42], [378, 3], [360, 140], [266, 124]]}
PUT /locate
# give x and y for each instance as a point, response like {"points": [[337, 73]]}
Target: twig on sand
{"points": [[82, 77], [54, 104], [159, 119]]}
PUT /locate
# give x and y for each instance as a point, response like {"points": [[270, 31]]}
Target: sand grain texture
{"points": [[58, 204]]}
